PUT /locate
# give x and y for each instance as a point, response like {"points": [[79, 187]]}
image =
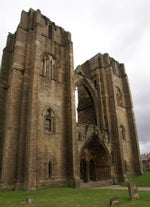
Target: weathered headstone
{"points": [[29, 199], [113, 201], [133, 191]]}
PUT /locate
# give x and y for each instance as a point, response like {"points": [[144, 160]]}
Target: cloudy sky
{"points": [[118, 27]]}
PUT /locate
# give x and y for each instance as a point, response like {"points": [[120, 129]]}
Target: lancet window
{"points": [[48, 67], [50, 121]]}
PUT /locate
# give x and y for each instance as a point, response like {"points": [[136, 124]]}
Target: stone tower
{"points": [[37, 125], [41, 145], [107, 138]]}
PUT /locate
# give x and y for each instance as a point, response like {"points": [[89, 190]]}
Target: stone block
{"points": [[133, 191]]}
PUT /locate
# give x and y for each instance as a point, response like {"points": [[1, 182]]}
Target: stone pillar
{"points": [[72, 159]]}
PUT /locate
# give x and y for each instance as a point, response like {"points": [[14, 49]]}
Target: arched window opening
{"points": [[49, 121], [48, 67]]}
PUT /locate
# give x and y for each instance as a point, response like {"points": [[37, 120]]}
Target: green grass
{"points": [[141, 181], [68, 197], [144, 180]]}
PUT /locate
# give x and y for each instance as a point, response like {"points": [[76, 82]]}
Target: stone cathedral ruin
{"points": [[41, 145]]}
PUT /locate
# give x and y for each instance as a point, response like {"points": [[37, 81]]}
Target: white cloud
{"points": [[144, 146]]}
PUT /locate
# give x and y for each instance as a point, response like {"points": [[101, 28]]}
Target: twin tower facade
{"points": [[41, 143]]}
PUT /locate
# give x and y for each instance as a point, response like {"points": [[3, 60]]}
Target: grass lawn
{"points": [[68, 197], [141, 181], [144, 180]]}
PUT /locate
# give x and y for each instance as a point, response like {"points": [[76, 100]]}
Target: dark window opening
{"points": [[50, 32], [49, 169], [95, 83]]}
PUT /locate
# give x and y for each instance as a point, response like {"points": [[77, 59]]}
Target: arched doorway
{"points": [[95, 161]]}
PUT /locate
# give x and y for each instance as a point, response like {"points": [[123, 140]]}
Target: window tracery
{"points": [[48, 67]]}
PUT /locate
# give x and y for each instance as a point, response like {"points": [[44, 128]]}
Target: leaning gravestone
{"points": [[113, 201], [133, 191], [29, 199]]}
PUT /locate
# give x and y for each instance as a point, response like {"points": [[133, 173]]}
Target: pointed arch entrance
{"points": [[94, 161]]}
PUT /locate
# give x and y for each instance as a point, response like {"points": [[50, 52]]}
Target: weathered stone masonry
{"points": [[41, 145]]}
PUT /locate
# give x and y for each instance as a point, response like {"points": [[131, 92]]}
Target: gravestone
{"points": [[29, 199], [133, 191], [113, 201]]}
